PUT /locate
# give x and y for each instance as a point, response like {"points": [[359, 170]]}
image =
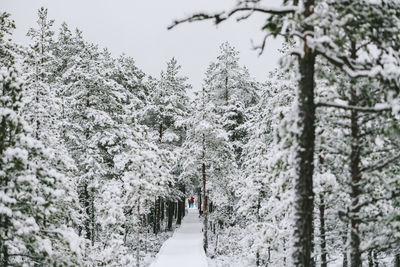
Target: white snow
{"points": [[185, 247]]}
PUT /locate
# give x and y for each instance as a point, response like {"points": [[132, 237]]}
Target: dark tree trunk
{"points": [[200, 204], [322, 230], [162, 209], [205, 212], [397, 260], [370, 259], [154, 217], [156, 220], [344, 251], [138, 235], [161, 132], [304, 196], [226, 90], [171, 208], [85, 197], [181, 207], [179, 217], [355, 253], [92, 221], [175, 210], [355, 172]]}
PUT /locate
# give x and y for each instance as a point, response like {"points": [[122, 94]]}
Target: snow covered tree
{"points": [[7, 25], [232, 90], [209, 159], [40, 98], [363, 144], [318, 27], [165, 114], [33, 228], [169, 104]]}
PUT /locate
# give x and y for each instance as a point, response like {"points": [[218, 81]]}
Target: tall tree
{"points": [[33, 228]]}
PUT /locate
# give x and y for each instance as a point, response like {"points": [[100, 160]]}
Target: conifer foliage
{"points": [[97, 159]]}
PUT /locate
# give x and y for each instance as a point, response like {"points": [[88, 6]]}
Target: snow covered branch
{"points": [[347, 107], [382, 164]]}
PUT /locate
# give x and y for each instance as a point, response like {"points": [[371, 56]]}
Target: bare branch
{"points": [[222, 16], [262, 46]]}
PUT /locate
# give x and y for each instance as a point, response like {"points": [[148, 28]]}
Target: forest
{"points": [[98, 159]]}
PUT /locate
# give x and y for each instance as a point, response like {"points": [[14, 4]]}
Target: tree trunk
{"points": [[304, 196], [322, 230], [179, 217], [345, 260], [355, 253], [205, 213], [370, 259], [138, 235], [147, 230], [156, 221], [226, 90], [161, 132], [89, 215], [181, 206], [200, 205], [170, 214], [154, 217], [92, 221], [397, 260], [175, 210], [162, 207]]}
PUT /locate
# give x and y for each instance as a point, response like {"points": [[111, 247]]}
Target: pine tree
{"points": [[33, 227], [7, 25], [209, 159]]}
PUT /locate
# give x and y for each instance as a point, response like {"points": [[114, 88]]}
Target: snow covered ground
{"points": [[185, 247]]}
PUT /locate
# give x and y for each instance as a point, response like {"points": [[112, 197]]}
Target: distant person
{"points": [[191, 202]]}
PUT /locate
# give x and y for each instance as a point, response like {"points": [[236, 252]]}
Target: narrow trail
{"points": [[185, 247]]}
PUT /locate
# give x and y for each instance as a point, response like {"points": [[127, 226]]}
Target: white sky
{"points": [[139, 29]]}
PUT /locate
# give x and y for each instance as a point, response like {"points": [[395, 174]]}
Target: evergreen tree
{"points": [[33, 227]]}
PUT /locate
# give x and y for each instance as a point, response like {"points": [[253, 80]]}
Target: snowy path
{"points": [[185, 247]]}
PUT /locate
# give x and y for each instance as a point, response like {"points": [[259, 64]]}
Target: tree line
{"points": [[345, 55], [298, 170]]}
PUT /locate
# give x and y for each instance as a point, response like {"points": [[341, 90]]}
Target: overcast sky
{"points": [[138, 28]]}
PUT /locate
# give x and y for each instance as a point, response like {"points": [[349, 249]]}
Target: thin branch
{"points": [[262, 46], [344, 64], [347, 107], [222, 16], [25, 255], [376, 200], [381, 164], [244, 17]]}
